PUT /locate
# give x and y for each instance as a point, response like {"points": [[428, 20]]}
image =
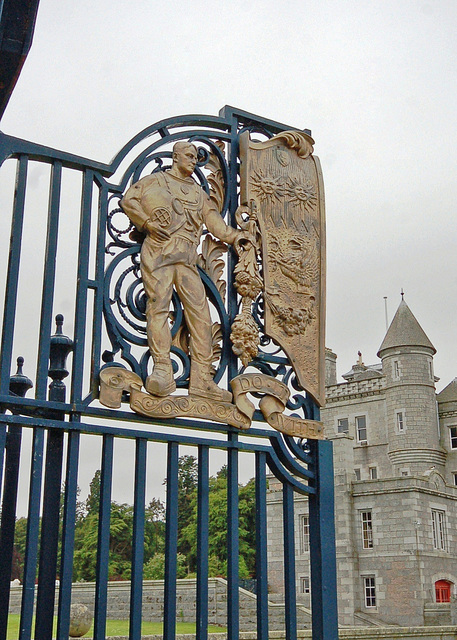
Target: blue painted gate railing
{"points": [[106, 315]]}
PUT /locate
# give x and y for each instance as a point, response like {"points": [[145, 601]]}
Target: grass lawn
{"points": [[118, 628]]}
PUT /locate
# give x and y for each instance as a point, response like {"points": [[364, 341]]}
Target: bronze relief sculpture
{"points": [[281, 182], [280, 248], [171, 209]]}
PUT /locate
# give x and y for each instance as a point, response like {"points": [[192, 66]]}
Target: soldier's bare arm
{"points": [[131, 204], [216, 225]]}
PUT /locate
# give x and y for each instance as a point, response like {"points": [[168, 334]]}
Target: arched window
{"points": [[443, 591]]}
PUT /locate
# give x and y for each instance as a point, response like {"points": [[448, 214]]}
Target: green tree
{"points": [[154, 529], [247, 529], [121, 530], [120, 544], [85, 553], [93, 499], [217, 528], [187, 492], [154, 569], [20, 538]]}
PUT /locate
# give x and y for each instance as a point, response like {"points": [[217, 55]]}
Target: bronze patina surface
{"points": [[280, 248], [170, 208], [281, 183]]}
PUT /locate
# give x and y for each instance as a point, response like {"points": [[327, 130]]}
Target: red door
{"points": [[443, 591]]}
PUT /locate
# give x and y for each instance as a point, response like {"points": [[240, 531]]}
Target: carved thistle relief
{"points": [[281, 184]]}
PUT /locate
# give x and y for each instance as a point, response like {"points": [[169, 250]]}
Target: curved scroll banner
{"points": [[272, 405], [115, 380]]}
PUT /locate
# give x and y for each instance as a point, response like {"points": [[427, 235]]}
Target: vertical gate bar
{"points": [[68, 535], [81, 293], [13, 452], [47, 569], [289, 563], [48, 280], [136, 586], [33, 530], [261, 560], [322, 545], [202, 543], [101, 579], [232, 258], [233, 548], [2, 451], [99, 271], [171, 544], [12, 278]]}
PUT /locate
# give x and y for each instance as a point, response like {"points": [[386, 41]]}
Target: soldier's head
{"points": [[184, 158]]}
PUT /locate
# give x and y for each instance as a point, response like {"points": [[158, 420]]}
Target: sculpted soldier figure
{"points": [[171, 209]]}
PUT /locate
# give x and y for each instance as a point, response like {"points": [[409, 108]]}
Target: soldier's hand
{"points": [[242, 216], [244, 237], [244, 241], [156, 233]]}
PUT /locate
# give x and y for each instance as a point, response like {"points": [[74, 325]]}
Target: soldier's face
{"points": [[185, 160]]}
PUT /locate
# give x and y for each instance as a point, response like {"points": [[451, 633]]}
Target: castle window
{"points": [[367, 529], [430, 369], [443, 591], [304, 534], [400, 421], [373, 473], [361, 428], [369, 584], [439, 530], [304, 584], [454, 475], [343, 425], [396, 370], [453, 435], [357, 474]]}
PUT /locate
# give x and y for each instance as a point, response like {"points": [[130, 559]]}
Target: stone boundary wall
{"points": [[153, 599], [387, 633], [119, 598]]}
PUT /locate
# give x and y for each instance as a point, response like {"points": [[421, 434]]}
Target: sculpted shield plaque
{"points": [[281, 183]]}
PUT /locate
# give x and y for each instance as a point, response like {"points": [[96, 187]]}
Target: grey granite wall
{"points": [[119, 603]]}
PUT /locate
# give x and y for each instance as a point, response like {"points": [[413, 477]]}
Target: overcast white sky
{"points": [[374, 80]]}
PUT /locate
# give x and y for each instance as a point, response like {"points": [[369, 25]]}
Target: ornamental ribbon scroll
{"points": [[281, 184], [114, 381]]}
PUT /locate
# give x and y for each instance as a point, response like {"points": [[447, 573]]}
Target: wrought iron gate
{"points": [[107, 312]]}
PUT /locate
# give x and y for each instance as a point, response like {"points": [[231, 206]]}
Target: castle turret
{"points": [[412, 424], [330, 367]]}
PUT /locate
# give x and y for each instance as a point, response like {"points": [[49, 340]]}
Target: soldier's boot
{"points": [[161, 381], [203, 385]]}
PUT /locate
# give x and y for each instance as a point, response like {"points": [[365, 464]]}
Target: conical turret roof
{"points": [[405, 331]]}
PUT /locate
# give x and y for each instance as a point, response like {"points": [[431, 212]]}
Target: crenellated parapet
{"points": [[356, 389]]}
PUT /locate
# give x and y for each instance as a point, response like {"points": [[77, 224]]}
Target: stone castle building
{"points": [[395, 462]]}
